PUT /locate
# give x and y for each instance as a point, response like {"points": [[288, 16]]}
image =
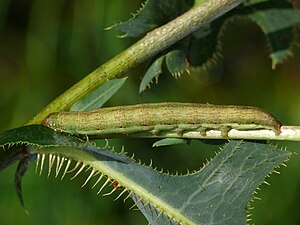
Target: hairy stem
{"points": [[154, 42]]}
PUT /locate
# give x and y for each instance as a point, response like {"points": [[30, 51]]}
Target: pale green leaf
{"points": [[169, 141], [98, 97], [152, 73]]}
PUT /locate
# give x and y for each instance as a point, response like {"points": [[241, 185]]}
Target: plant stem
{"points": [[153, 43], [288, 133]]}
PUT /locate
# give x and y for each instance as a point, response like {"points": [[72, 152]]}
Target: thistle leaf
{"points": [[152, 14], [219, 193], [176, 62], [152, 73], [276, 18]]}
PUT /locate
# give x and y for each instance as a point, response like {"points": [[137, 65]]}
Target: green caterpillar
{"points": [[153, 118]]}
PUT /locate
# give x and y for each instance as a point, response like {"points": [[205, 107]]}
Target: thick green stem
{"points": [[154, 42]]}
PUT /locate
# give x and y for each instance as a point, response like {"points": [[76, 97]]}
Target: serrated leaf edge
{"points": [[134, 15], [111, 177], [264, 182]]}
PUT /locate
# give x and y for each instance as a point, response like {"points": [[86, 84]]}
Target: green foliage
{"points": [[98, 97], [217, 194], [36, 135], [153, 14], [176, 65], [176, 62], [277, 23], [276, 18], [152, 73], [14, 143], [169, 141]]}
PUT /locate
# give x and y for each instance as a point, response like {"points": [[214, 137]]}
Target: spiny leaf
{"points": [[13, 147], [20, 172], [277, 23], [153, 215], [37, 135], [276, 18], [152, 73], [169, 141], [8, 157], [14, 142], [98, 97], [217, 194], [216, 188], [176, 62], [152, 14]]}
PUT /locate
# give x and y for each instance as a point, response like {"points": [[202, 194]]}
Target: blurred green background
{"points": [[46, 46]]}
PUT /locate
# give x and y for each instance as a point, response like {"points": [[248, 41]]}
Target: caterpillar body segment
{"points": [[154, 118]]}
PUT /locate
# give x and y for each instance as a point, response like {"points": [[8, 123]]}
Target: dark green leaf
{"points": [[13, 142], [277, 23], [176, 62], [276, 18], [20, 172], [153, 14], [36, 135], [8, 157]]}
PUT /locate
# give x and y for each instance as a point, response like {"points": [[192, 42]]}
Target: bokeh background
{"points": [[46, 46]]}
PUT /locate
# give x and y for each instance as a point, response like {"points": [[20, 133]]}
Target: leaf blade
{"points": [[169, 141], [152, 72], [97, 98]]}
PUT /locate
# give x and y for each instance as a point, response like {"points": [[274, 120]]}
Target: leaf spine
{"points": [[38, 157], [106, 182], [100, 177], [120, 194], [130, 193], [159, 215], [59, 165], [42, 163], [79, 171], [112, 191], [75, 167], [145, 205], [66, 169], [136, 203], [51, 162], [89, 177]]}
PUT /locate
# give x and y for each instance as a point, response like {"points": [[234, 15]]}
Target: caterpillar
{"points": [[154, 118]]}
